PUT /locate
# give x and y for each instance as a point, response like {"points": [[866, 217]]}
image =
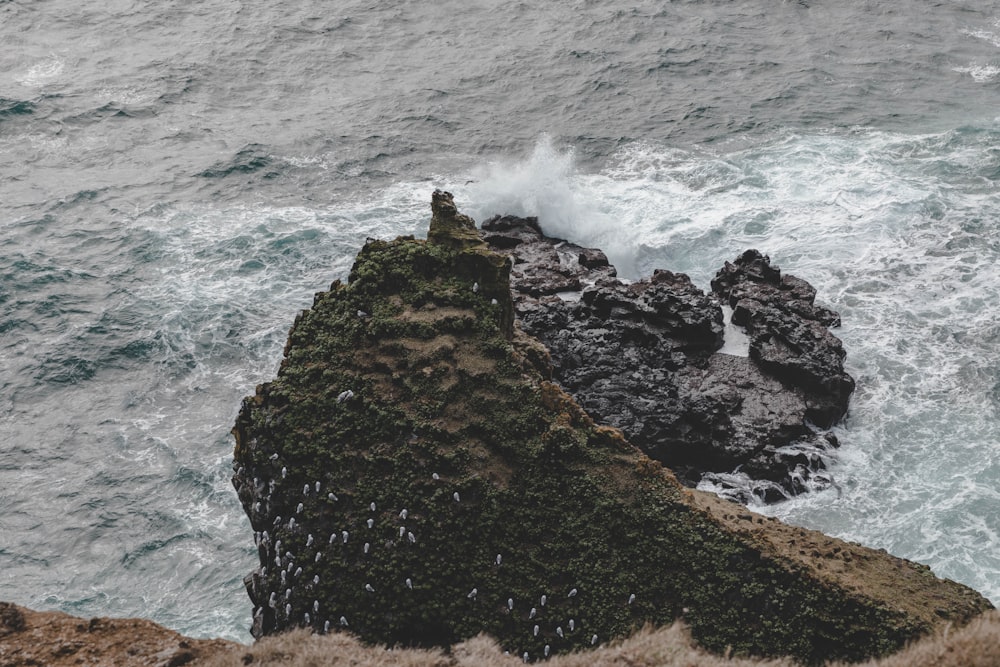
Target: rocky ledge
{"points": [[414, 477], [54, 639], [648, 357]]}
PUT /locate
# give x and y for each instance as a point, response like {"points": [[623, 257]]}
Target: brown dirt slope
{"points": [[898, 584], [53, 639]]}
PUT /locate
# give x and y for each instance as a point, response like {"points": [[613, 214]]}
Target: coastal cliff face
{"points": [[414, 477]]}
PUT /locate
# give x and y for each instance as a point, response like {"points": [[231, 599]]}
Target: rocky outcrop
{"points": [[647, 357], [412, 477], [789, 334], [31, 638]]}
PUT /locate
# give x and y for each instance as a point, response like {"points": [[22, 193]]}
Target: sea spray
{"points": [[890, 229], [547, 184]]}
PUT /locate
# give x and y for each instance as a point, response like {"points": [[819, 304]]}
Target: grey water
{"points": [[178, 179]]}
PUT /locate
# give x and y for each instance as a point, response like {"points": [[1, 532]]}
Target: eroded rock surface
{"points": [[53, 639], [412, 477], [790, 335], [646, 357]]}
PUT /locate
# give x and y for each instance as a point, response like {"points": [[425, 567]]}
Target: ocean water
{"points": [[176, 181]]}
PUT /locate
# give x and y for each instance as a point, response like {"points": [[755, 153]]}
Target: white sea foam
{"points": [[41, 73], [126, 95], [735, 339], [548, 186], [985, 35], [980, 73]]}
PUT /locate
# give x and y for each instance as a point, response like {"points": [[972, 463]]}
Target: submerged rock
{"points": [[647, 357], [412, 477]]}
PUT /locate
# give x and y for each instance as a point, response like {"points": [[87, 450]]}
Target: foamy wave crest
{"points": [[985, 35], [547, 184], [979, 73], [243, 271]]}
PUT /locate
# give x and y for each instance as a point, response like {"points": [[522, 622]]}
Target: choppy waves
{"points": [[125, 356]]}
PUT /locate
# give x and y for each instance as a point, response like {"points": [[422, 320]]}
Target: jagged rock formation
{"points": [[412, 477], [789, 334], [646, 357]]}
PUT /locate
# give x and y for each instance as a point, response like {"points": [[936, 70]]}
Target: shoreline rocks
{"points": [[413, 477], [647, 357]]}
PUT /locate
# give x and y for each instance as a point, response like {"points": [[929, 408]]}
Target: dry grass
{"points": [[30, 638], [975, 645]]}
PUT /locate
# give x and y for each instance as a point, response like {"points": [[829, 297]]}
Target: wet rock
{"points": [[646, 357], [789, 335]]}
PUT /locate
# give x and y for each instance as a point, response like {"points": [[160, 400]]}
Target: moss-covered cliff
{"points": [[412, 476]]}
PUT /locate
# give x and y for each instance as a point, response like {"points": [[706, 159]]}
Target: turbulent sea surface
{"points": [[177, 179]]}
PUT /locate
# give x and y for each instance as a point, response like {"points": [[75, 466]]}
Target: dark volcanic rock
{"points": [[644, 357], [789, 335]]}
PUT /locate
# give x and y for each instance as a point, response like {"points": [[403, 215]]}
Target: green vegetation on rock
{"points": [[420, 482]]}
